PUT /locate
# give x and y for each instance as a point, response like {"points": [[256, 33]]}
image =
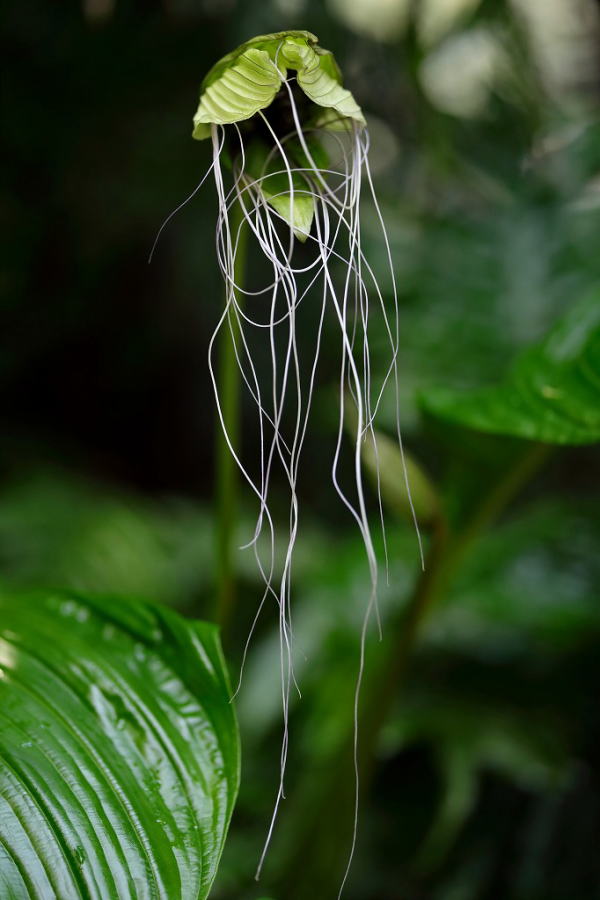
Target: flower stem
{"points": [[444, 558], [227, 475], [329, 795]]}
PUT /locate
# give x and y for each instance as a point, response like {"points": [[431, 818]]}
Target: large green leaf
{"points": [[119, 755], [552, 394]]}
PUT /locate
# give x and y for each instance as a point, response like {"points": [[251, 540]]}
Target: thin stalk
{"points": [[401, 640], [444, 557], [226, 470], [445, 554]]}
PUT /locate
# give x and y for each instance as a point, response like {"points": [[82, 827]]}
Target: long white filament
{"points": [[284, 407]]}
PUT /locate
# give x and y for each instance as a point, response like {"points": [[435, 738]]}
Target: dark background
{"points": [[486, 152]]}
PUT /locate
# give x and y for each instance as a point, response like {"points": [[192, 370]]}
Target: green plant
{"points": [[120, 756], [276, 111], [487, 667], [548, 399]]}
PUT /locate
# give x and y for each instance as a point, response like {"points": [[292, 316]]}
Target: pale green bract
{"points": [[248, 79]]}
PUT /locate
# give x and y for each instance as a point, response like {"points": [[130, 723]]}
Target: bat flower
{"points": [[295, 144], [281, 87]]}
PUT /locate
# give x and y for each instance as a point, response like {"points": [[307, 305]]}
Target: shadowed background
{"points": [[486, 154]]}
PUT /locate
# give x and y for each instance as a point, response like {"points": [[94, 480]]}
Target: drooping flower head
{"points": [[251, 79], [296, 144]]}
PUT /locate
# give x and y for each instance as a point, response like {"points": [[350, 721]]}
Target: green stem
{"points": [[496, 501], [401, 642], [320, 836], [444, 557], [227, 474]]}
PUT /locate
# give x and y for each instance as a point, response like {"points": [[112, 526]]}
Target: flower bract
{"points": [[249, 78]]}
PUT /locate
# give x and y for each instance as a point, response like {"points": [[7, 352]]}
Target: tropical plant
{"points": [[474, 736]]}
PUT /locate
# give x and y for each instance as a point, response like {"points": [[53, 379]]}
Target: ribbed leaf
{"points": [[318, 76], [248, 79], [250, 84], [119, 753], [551, 395], [267, 42]]}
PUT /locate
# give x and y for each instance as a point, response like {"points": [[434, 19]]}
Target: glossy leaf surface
{"points": [[551, 395], [119, 750]]}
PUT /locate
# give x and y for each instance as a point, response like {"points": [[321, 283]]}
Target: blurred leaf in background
{"points": [[551, 394], [58, 529], [485, 776]]}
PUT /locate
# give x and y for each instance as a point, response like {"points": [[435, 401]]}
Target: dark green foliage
{"points": [[552, 393], [483, 775], [119, 746]]}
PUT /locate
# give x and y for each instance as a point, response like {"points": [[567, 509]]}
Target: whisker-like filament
{"points": [[282, 194], [336, 237]]}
